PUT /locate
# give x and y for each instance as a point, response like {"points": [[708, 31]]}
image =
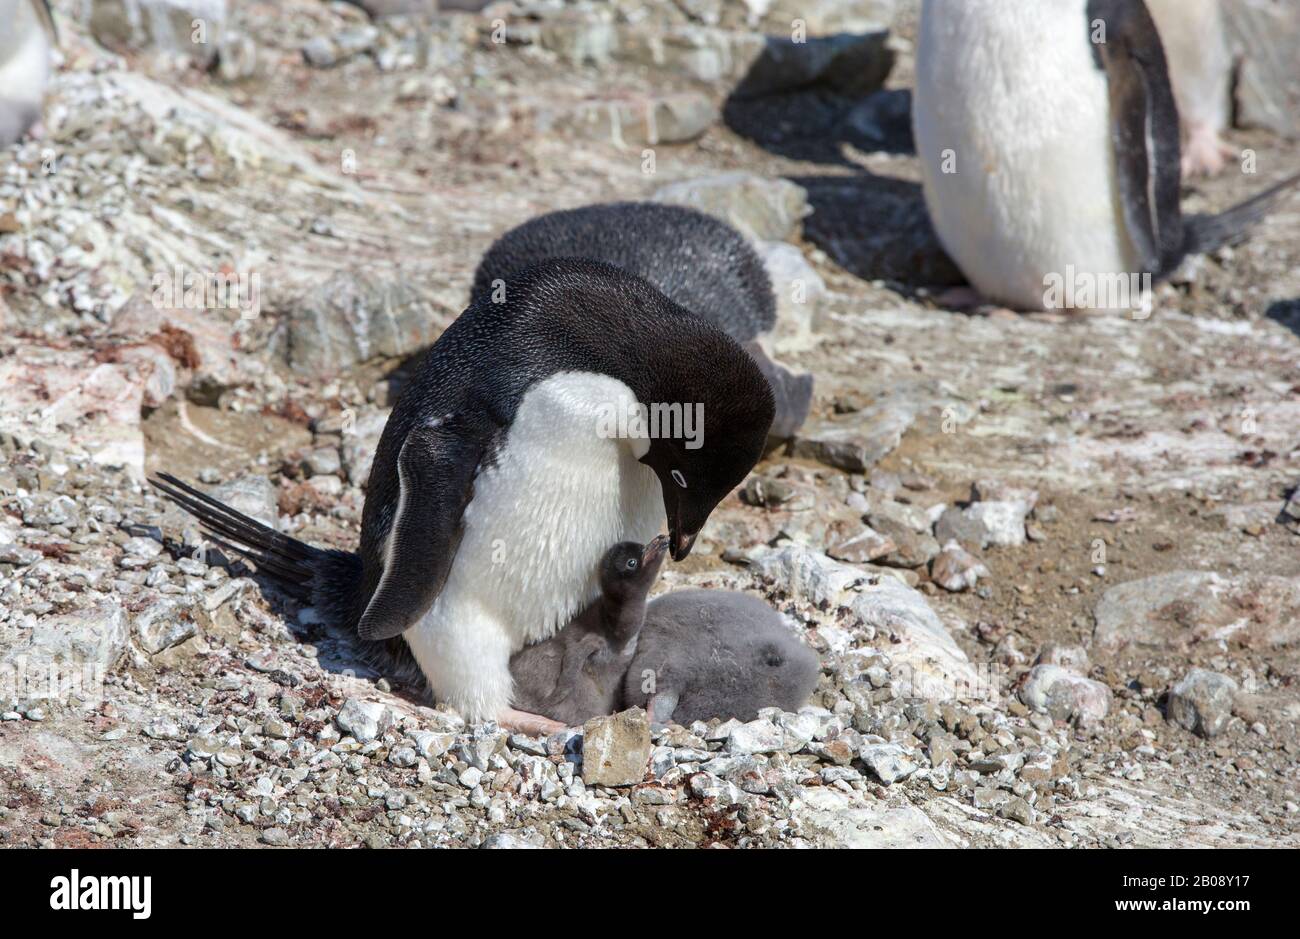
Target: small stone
{"points": [[862, 548], [760, 736], [1202, 702], [403, 757], [984, 523], [275, 836], [1064, 695], [955, 569], [888, 761], [1017, 810], [616, 749], [364, 720], [767, 209]]}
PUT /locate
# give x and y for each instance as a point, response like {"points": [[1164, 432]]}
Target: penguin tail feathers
{"points": [[328, 579], [1206, 233]]}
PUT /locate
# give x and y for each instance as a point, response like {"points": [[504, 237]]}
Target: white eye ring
{"points": [[679, 478]]}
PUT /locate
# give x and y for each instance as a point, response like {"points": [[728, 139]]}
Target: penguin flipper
{"points": [[1144, 128], [435, 471], [46, 17]]}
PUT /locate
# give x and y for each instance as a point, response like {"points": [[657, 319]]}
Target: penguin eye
{"points": [[679, 478], [631, 564], [773, 660]]}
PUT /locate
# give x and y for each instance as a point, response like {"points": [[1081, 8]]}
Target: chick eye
{"points": [[631, 564], [774, 661], [679, 478]]}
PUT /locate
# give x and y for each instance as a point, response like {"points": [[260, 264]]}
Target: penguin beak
{"points": [[681, 542], [654, 551]]}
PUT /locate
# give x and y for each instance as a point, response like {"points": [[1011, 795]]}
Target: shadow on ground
{"points": [[1285, 313], [877, 228]]}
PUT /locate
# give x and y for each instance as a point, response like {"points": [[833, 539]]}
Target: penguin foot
{"points": [[534, 725], [1204, 154], [958, 298]]}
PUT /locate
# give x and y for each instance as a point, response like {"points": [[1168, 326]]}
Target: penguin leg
{"points": [[534, 725], [1204, 154], [958, 298]]}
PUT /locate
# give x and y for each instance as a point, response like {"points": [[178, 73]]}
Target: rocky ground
{"points": [[1049, 561]]}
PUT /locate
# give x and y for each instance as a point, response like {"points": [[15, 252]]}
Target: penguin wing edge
{"points": [[1144, 128], [435, 471]]}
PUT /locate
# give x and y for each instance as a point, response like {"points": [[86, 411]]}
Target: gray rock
{"points": [[1017, 810], [851, 820], [862, 547], [766, 209], [760, 736], [323, 461], [926, 662], [983, 524], [1268, 80], [379, 9], [1064, 695], [167, 26], [1202, 702], [856, 442], [888, 761], [275, 836], [910, 549], [584, 36], [799, 292], [704, 54], [512, 841], [955, 569], [93, 638], [163, 623], [255, 496], [670, 118], [321, 52], [854, 65], [1182, 607], [364, 720], [1074, 658], [18, 556], [616, 749], [355, 317]]}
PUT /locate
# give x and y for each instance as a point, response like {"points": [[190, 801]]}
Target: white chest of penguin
{"points": [[558, 495]]}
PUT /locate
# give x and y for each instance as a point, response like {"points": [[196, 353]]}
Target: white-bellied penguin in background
{"points": [[499, 481], [1200, 69], [26, 37], [1049, 144]]}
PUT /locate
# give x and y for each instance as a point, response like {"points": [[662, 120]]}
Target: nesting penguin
{"points": [[1195, 41], [696, 260], [26, 39], [505, 471], [686, 656], [1049, 145], [578, 673]]}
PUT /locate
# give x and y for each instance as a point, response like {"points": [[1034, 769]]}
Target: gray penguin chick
{"points": [[577, 673], [716, 653]]}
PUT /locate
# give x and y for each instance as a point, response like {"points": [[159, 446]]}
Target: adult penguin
{"points": [[1049, 144], [526, 444]]}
